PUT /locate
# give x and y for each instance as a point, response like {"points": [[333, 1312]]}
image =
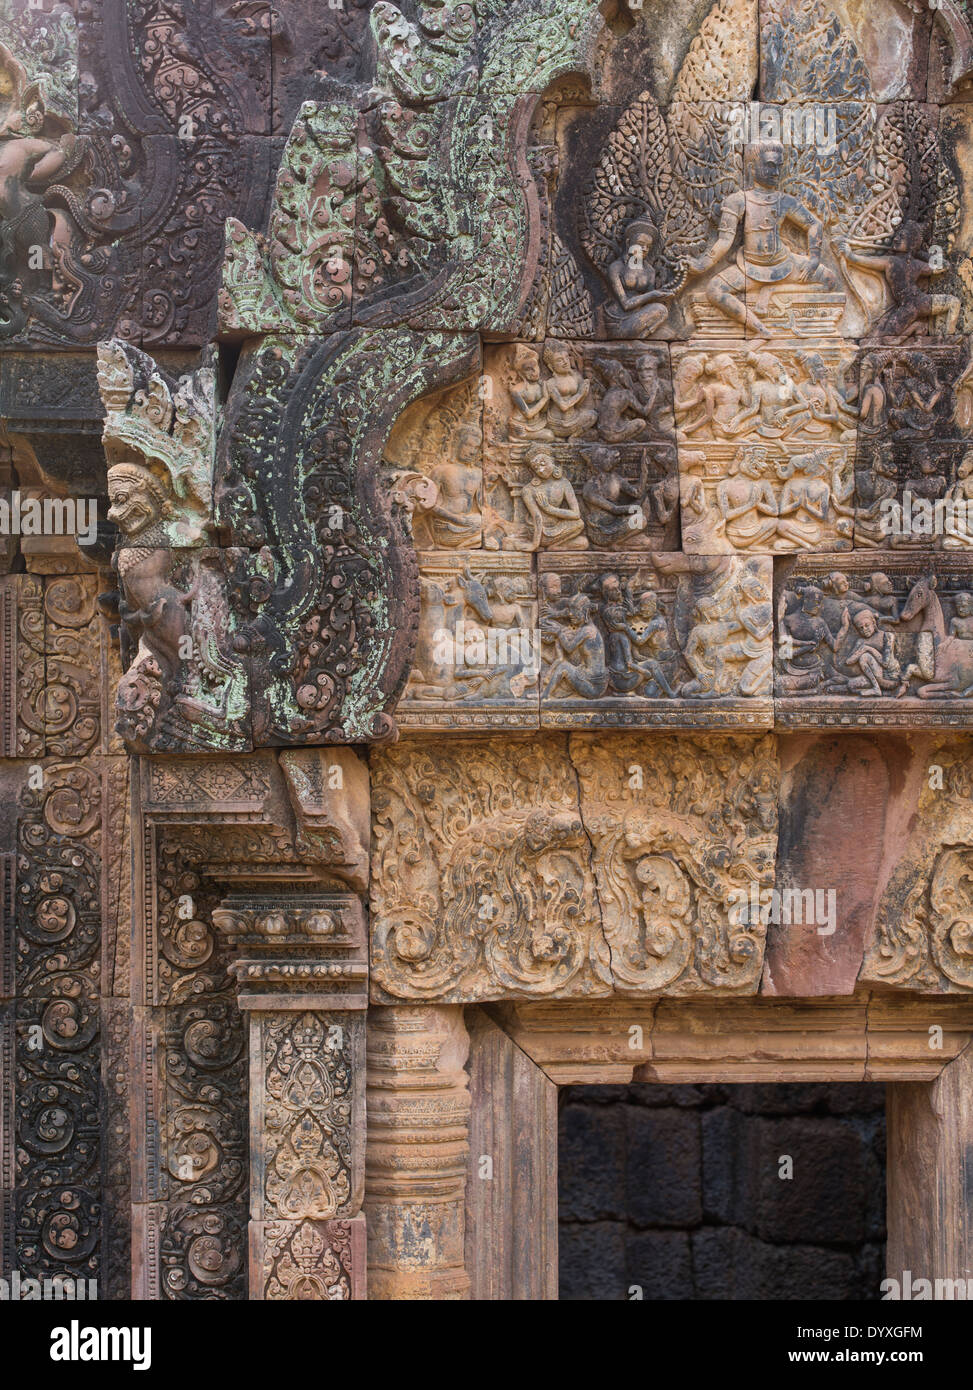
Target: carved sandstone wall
{"points": [[497, 412], [675, 1192]]}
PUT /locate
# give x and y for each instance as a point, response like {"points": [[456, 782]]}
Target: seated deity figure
{"points": [[622, 412], [874, 656], [454, 518], [733, 622], [552, 506], [962, 624], [528, 419], [613, 610], [611, 502], [648, 631], [723, 395], [687, 391], [826, 406], [765, 262], [774, 399], [747, 502], [805, 500], [807, 645], [959, 514], [875, 490], [567, 415], [752, 645], [640, 309], [581, 665]]}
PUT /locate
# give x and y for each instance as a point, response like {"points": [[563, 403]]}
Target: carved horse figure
{"points": [[944, 662]]}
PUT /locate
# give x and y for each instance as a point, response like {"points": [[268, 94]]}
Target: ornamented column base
{"points": [[418, 1126], [308, 1260], [303, 983]]}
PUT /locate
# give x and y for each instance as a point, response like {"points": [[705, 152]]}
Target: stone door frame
{"points": [[521, 1053], [455, 1187]]}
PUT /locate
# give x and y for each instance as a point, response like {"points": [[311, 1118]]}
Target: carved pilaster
{"points": [[302, 983], [256, 911], [418, 1128]]}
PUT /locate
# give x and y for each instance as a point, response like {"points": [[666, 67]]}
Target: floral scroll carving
{"points": [[584, 867]]}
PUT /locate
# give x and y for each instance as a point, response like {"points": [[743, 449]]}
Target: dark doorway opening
{"points": [[683, 1192]]}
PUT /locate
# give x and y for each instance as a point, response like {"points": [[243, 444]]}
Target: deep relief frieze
{"points": [[881, 639], [477, 657], [914, 435], [580, 449], [671, 639], [766, 448]]}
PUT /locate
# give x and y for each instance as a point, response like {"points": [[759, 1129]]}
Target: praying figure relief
{"points": [[585, 457], [763, 499]]}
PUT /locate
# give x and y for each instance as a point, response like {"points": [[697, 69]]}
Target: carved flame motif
{"points": [[307, 1262], [307, 1116]]}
